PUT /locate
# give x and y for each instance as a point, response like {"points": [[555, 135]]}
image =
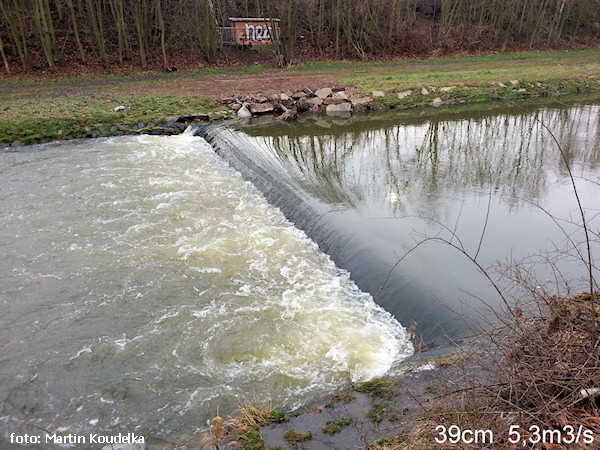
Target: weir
{"points": [[369, 191], [145, 285], [351, 241]]}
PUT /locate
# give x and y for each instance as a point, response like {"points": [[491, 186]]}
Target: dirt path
{"points": [[266, 83], [214, 86]]}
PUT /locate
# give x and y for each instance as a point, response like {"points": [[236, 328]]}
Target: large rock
{"points": [[299, 95], [260, 108], [361, 101], [403, 94], [200, 117], [333, 101], [324, 93], [290, 114], [243, 113], [315, 101], [168, 120], [378, 94], [342, 109], [303, 105], [341, 94], [260, 99]]}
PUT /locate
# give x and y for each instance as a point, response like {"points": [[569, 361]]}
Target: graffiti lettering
{"points": [[257, 32]]}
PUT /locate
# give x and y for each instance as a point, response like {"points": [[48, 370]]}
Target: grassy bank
{"points": [[42, 119], [39, 110], [515, 76]]}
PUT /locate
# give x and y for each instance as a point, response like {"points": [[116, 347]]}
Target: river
{"points": [[146, 287], [149, 283]]}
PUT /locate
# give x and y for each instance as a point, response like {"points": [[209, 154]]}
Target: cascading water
{"points": [[369, 190], [145, 287]]}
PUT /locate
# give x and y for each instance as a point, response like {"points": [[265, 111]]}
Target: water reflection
{"points": [[433, 159], [362, 187]]}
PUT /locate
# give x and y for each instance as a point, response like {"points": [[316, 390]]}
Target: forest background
{"points": [[123, 36]]}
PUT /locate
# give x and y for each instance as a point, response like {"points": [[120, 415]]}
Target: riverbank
{"points": [[377, 414], [533, 380], [39, 110]]}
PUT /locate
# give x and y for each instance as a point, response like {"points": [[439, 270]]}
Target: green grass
{"points": [[381, 387], [477, 71], [38, 114], [36, 119], [251, 440], [335, 426], [344, 397], [377, 412], [278, 415], [294, 438], [483, 61]]}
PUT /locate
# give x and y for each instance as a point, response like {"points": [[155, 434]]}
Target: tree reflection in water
{"points": [[361, 188]]}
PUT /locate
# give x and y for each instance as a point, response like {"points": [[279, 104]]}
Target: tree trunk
{"points": [[13, 17], [160, 23], [118, 14], [4, 60], [43, 22], [76, 31], [140, 11], [206, 28]]}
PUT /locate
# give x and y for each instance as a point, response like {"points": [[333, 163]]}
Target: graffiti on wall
{"points": [[257, 33], [253, 31]]}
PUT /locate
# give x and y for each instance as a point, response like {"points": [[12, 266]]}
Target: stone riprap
{"points": [[287, 105]]}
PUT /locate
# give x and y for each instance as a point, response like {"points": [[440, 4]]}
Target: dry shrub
{"points": [[242, 429], [554, 359], [531, 372], [252, 415]]}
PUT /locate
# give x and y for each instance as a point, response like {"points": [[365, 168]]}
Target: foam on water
{"points": [[145, 281]]}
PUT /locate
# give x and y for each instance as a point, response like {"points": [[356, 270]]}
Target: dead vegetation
{"points": [[535, 382], [530, 375]]}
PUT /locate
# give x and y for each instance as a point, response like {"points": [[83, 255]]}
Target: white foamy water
{"points": [[144, 286]]}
